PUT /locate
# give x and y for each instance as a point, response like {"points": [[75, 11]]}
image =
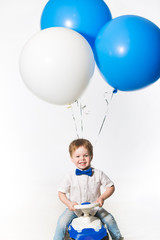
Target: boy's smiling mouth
{"points": [[82, 163]]}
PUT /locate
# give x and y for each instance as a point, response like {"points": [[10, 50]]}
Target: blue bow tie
{"points": [[86, 172]]}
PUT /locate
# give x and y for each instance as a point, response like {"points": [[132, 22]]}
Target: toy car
{"points": [[87, 227]]}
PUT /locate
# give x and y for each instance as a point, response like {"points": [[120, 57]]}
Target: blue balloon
{"points": [[127, 52], [84, 16]]}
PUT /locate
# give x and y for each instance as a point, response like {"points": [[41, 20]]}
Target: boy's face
{"points": [[81, 158]]}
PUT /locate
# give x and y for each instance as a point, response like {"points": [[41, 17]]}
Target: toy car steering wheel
{"points": [[86, 207]]}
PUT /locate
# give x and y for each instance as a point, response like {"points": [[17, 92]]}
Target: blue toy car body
{"points": [[88, 234], [87, 227]]}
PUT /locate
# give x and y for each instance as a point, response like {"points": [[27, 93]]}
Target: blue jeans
{"points": [[67, 217], [110, 222]]}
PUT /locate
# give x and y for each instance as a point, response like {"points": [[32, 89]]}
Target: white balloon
{"points": [[57, 64]]}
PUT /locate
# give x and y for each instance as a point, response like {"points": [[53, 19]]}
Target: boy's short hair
{"points": [[79, 143]]}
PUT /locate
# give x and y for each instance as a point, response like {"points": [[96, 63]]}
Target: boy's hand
{"points": [[100, 200], [109, 191], [66, 201], [71, 206]]}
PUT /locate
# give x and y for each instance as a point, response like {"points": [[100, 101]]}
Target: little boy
{"points": [[83, 185]]}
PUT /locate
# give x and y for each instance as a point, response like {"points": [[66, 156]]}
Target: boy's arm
{"points": [[109, 191], [62, 196]]}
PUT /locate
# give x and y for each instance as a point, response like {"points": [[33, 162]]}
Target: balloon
{"points": [[127, 52], [56, 64], [84, 16]]}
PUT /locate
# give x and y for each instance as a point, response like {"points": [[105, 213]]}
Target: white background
{"points": [[34, 138]]}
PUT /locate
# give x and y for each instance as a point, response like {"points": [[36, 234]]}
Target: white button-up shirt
{"points": [[84, 188]]}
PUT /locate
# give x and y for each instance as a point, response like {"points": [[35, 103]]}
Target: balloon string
{"points": [[81, 116], [74, 119], [81, 108], [104, 119]]}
